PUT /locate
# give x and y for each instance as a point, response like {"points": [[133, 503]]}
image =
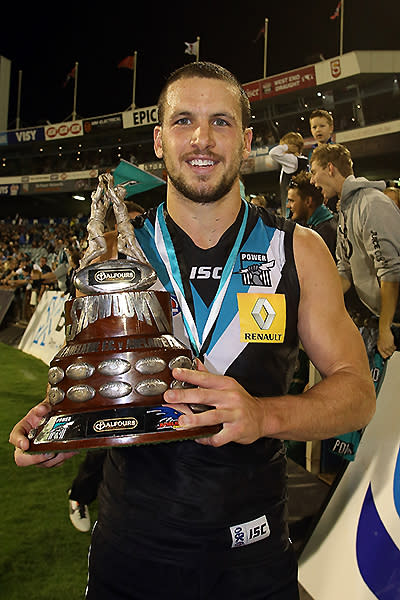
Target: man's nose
{"points": [[202, 136]]}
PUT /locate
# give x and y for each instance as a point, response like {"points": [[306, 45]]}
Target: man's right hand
{"points": [[19, 439]]}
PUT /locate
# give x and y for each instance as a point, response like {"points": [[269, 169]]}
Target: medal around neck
{"points": [[106, 384]]}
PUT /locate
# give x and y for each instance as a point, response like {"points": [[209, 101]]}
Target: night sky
{"points": [[45, 46]]}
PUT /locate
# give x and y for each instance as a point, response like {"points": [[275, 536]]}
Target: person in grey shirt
{"points": [[368, 243]]}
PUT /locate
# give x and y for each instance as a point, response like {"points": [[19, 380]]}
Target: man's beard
{"points": [[206, 196], [209, 195]]}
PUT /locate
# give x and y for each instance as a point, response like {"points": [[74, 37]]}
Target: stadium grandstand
{"points": [[43, 169]]}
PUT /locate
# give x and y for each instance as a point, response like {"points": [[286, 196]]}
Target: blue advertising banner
{"points": [[35, 134]]}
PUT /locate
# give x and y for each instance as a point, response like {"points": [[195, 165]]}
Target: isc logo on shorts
{"points": [[262, 318], [250, 532]]}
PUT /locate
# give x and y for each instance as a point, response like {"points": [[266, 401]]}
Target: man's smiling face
{"points": [[201, 139]]}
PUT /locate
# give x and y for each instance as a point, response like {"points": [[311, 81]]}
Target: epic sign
{"points": [[140, 117]]}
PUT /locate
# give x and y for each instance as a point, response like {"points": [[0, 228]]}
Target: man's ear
{"points": [[158, 141], [331, 169], [309, 201], [247, 138]]}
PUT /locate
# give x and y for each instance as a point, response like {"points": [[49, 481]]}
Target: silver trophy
{"points": [[106, 384]]}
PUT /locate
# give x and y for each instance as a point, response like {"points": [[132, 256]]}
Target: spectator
{"points": [[37, 250], [305, 202], [321, 126], [368, 239], [288, 154]]}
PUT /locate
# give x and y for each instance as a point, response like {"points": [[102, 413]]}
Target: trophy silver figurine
{"points": [[106, 384]]}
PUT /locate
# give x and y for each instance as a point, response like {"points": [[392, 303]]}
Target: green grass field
{"points": [[42, 556]]}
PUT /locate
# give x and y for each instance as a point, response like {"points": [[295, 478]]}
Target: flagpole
{"points": [[134, 81], [198, 49], [341, 27], [75, 91], [19, 98], [265, 47]]}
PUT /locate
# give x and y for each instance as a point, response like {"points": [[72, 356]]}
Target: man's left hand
{"points": [[240, 413]]}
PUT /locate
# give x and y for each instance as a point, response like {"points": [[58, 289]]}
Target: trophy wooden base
{"points": [[123, 426]]}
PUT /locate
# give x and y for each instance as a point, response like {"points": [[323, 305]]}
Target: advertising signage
{"points": [[35, 134], [108, 122], [283, 83], [141, 116], [59, 131]]}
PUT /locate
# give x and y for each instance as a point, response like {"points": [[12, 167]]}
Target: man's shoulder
{"points": [[307, 241], [370, 200]]}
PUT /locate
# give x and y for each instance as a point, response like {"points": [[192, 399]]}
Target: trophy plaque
{"points": [[106, 384]]}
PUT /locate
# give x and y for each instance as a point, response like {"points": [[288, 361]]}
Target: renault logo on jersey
{"points": [[263, 313], [262, 318]]}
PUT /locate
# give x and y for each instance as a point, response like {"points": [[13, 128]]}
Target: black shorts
{"points": [[113, 575]]}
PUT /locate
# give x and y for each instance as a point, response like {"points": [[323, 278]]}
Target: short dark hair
{"points": [[206, 70], [323, 114], [302, 183]]}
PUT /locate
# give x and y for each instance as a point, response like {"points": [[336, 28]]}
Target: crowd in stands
{"points": [[35, 257]]}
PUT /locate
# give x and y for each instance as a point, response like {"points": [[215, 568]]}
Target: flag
{"points": [[127, 63], [259, 34], [192, 48], [337, 11], [134, 179], [71, 75]]}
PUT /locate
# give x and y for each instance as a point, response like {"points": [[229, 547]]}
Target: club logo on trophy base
{"points": [[106, 384]]}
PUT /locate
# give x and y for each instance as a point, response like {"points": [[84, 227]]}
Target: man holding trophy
{"points": [[203, 516]]}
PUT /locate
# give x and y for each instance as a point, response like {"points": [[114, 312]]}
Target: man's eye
{"points": [[221, 122], [182, 121]]}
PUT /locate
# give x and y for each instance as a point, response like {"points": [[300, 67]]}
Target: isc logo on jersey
{"points": [[205, 272], [262, 318]]}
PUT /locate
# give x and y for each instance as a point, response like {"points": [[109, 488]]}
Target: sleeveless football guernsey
{"points": [[236, 306]]}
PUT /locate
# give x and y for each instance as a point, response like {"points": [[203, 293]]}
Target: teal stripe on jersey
{"points": [[145, 237]]}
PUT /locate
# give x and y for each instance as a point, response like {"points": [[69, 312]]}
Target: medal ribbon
{"points": [[167, 253]]}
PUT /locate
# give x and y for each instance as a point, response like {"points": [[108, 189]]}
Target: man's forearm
{"points": [[389, 299], [336, 405]]}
